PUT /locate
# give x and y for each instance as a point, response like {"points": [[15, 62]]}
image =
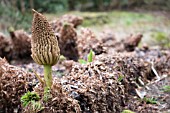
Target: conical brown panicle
{"points": [[44, 44]]}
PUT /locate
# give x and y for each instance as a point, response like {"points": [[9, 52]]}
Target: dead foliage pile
{"points": [[132, 42], [95, 88], [129, 44], [134, 70], [18, 45], [72, 19], [58, 101], [21, 44], [159, 58], [67, 41], [139, 106], [64, 27], [5, 46], [15, 47], [104, 85], [13, 84], [87, 41], [73, 45]]}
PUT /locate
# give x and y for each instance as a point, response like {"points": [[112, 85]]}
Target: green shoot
{"points": [[166, 88], [28, 97], [36, 106], [120, 78], [90, 56], [62, 58], [127, 111], [150, 100], [47, 94], [81, 61]]}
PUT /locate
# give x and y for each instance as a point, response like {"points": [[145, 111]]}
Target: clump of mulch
{"points": [[88, 41], [96, 89], [68, 41], [106, 84], [162, 64], [159, 58], [13, 84], [15, 47], [73, 45], [64, 27], [21, 42], [122, 74], [137, 105], [5, 46], [129, 44], [72, 19], [132, 42], [134, 70], [58, 100], [67, 38], [61, 101]]}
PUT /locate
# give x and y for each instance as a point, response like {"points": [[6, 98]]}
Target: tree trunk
{"points": [[22, 4], [31, 4]]}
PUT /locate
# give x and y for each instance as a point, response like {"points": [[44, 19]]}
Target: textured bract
{"points": [[44, 44]]}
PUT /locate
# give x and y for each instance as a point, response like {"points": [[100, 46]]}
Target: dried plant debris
{"points": [[66, 104], [21, 42], [65, 30], [112, 45], [13, 84], [163, 64], [135, 71], [16, 47], [111, 83], [87, 41], [160, 59], [104, 85], [5, 46], [68, 64], [58, 102], [75, 20], [95, 88], [67, 37], [132, 41], [72, 19], [68, 42], [158, 92], [121, 74], [108, 39], [138, 106]]}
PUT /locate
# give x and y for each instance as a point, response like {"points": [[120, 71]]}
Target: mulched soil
{"points": [[119, 74]]}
